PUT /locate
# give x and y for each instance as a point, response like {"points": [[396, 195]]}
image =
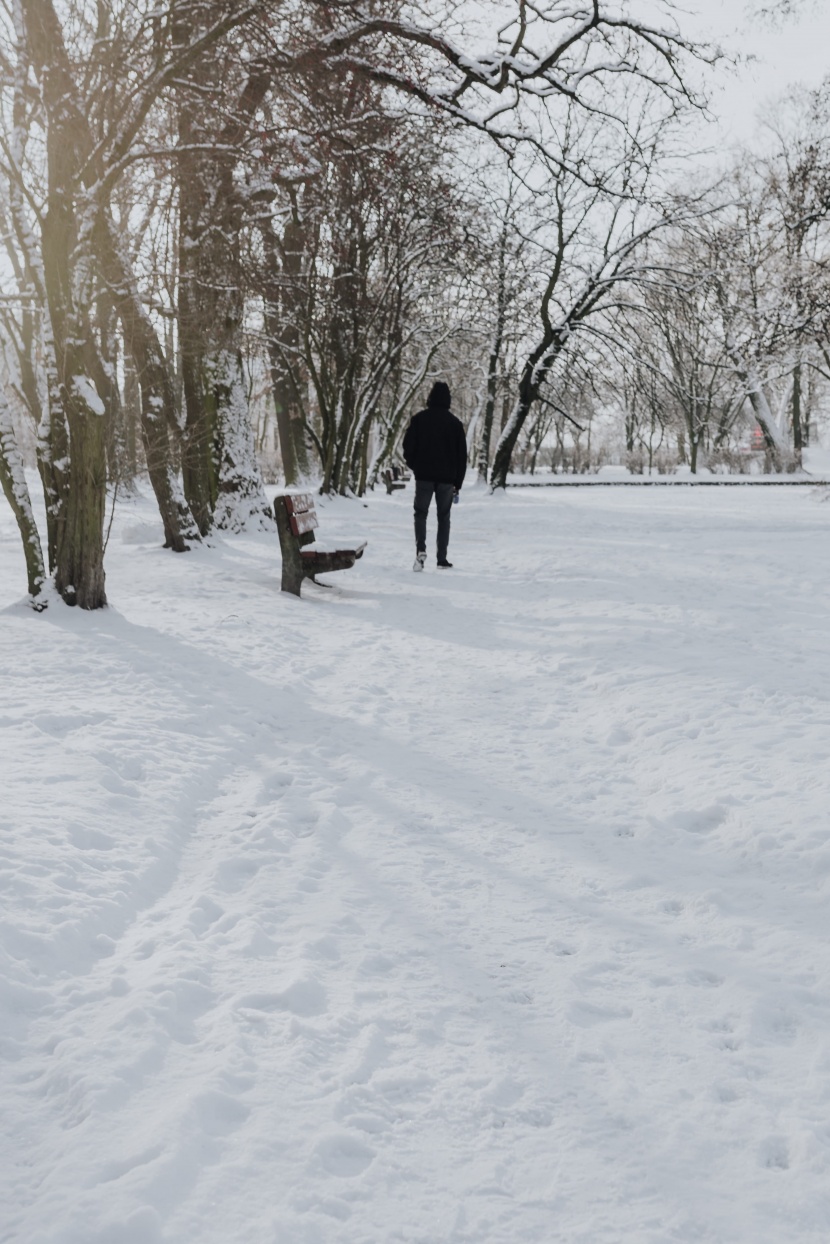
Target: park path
{"points": [[478, 907]]}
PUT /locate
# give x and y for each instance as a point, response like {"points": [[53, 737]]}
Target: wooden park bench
{"points": [[396, 477], [296, 523]]}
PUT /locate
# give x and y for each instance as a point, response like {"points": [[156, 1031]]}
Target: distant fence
{"points": [[670, 481]]}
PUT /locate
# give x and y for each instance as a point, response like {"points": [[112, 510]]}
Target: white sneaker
{"points": [[418, 564]]}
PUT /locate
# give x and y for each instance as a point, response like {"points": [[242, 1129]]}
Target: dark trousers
{"points": [[424, 489]]}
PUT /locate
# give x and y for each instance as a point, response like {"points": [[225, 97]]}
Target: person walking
{"points": [[435, 450]]}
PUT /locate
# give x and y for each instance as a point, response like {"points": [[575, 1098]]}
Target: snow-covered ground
{"points": [[483, 906]]}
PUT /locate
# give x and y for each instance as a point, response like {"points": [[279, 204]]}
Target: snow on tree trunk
{"points": [[241, 503], [13, 481], [222, 479], [744, 361], [52, 445], [53, 452], [776, 440], [507, 442]]}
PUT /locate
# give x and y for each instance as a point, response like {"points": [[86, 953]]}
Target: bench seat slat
{"points": [[357, 549]]}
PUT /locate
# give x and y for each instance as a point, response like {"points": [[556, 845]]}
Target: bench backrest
{"points": [[301, 513]]}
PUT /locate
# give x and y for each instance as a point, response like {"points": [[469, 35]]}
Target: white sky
{"points": [[797, 49]]}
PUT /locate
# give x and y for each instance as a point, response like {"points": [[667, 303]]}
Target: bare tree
{"points": [[590, 237]]}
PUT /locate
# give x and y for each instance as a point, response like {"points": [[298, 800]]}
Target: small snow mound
{"points": [[304, 997], [142, 1227], [143, 533], [218, 1114]]}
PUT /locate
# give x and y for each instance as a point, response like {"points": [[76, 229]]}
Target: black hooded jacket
{"points": [[435, 447]]}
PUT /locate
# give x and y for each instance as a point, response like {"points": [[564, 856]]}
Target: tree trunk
{"points": [[79, 575], [537, 366], [79, 552], [493, 361], [53, 460], [158, 407], [798, 438], [746, 370], [199, 458], [13, 482], [132, 418], [283, 337], [779, 451], [219, 461], [534, 373], [221, 474], [630, 427], [240, 502]]}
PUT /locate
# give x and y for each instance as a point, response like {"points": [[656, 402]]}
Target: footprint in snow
{"points": [[232, 875], [774, 1154], [703, 979], [59, 725], [344, 1156], [504, 1093], [325, 947], [562, 948], [87, 839], [701, 820], [302, 824], [587, 1014], [375, 964], [672, 906], [774, 1024], [127, 767], [218, 1114]]}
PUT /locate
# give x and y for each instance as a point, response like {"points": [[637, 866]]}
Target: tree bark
{"points": [[13, 482], [798, 435], [534, 373], [79, 554], [283, 337], [493, 361], [221, 474], [199, 459], [158, 407]]}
